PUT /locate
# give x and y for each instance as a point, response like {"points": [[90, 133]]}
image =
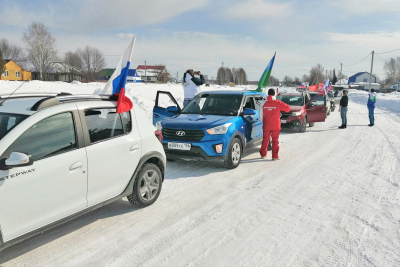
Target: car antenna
{"points": [[12, 93]]}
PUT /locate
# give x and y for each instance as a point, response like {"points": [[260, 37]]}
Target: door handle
{"points": [[76, 165], [134, 147], [156, 115]]}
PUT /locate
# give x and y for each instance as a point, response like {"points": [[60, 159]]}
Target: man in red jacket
{"points": [[272, 124]]}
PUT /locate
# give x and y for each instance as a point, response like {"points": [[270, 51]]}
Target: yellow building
{"points": [[14, 72]]}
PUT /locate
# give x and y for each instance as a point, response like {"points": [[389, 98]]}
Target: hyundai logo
{"points": [[180, 133]]}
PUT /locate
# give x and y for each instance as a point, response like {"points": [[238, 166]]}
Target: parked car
{"points": [[214, 126], [319, 98], [65, 155], [302, 111]]}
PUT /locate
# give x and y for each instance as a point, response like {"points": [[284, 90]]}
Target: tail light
{"points": [[158, 134]]}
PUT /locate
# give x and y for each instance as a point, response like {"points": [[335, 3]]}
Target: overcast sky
{"points": [[202, 34]]}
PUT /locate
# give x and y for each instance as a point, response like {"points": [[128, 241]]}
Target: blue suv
{"points": [[214, 126]]}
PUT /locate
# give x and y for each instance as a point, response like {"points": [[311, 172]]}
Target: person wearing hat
{"points": [[191, 85]]}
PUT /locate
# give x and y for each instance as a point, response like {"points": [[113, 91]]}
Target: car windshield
{"points": [[8, 121], [214, 104], [292, 100]]}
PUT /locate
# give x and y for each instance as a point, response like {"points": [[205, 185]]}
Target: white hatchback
{"points": [[63, 155]]}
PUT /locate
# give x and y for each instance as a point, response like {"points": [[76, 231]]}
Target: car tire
{"points": [[234, 154], [303, 125], [147, 186], [311, 124]]}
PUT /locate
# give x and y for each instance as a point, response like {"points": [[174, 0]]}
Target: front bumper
{"points": [[291, 123]]}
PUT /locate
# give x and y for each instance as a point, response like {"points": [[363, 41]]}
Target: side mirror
{"points": [[172, 109], [16, 159], [249, 112]]}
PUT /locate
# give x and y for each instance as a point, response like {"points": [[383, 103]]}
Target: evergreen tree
{"points": [[334, 80]]}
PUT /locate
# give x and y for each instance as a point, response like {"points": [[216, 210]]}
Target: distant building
{"points": [[104, 75], [60, 72], [395, 86], [133, 76], [153, 74], [361, 77], [14, 72]]}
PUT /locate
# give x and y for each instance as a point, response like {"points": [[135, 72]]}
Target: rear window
{"points": [[8, 121]]}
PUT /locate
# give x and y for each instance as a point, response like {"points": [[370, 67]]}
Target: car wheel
{"points": [[147, 186], [303, 125], [234, 154], [311, 124]]}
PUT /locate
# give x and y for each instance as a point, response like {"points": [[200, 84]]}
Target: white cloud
{"points": [[259, 9], [363, 7]]}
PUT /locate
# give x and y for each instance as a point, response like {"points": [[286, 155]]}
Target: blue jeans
{"points": [[371, 116], [186, 101], [343, 114]]}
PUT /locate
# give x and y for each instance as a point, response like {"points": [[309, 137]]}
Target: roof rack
{"points": [[24, 95], [60, 98]]}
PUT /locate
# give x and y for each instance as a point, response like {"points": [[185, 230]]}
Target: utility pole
{"points": [[177, 77], [340, 76], [145, 70], [326, 71], [370, 75]]}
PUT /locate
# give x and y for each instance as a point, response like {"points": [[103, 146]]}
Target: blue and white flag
{"points": [[116, 84]]}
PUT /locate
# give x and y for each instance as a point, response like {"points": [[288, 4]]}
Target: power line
{"points": [[358, 61], [388, 51]]}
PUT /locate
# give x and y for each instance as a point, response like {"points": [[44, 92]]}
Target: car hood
{"points": [[295, 108], [195, 121]]}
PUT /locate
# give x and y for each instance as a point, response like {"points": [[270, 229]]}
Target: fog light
{"points": [[218, 148]]}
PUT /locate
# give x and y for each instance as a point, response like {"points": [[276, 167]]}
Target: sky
{"points": [[205, 34]]}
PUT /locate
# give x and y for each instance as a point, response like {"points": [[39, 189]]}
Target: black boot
{"points": [[342, 127], [345, 126]]}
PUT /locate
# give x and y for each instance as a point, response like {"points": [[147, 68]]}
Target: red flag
{"points": [[313, 88], [124, 103], [321, 85]]}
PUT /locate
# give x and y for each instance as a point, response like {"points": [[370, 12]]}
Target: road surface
{"points": [[333, 200]]}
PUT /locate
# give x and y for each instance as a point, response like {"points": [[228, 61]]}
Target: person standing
{"points": [[272, 124], [371, 107], [191, 85], [344, 101]]}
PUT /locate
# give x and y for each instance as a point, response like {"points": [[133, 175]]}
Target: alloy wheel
{"points": [[236, 153], [149, 185]]}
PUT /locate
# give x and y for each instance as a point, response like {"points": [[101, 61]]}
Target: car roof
{"points": [[233, 92], [19, 105]]}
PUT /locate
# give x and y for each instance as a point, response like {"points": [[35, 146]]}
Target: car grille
{"points": [[285, 115], [189, 135]]}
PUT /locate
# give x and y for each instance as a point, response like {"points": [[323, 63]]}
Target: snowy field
{"points": [[332, 200], [389, 102]]}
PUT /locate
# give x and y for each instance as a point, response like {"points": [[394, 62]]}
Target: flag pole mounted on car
{"points": [[116, 84], [263, 82]]}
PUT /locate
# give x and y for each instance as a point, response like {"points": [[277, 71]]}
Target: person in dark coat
{"points": [[344, 101]]}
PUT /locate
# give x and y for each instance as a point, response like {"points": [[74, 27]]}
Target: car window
{"points": [[250, 103], [214, 104], [318, 100], [126, 122], [8, 122], [103, 123], [51, 136]]}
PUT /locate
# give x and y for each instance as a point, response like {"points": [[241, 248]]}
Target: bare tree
{"points": [[392, 70], [306, 78], [221, 76], [317, 74], [92, 61], [287, 81], [11, 51], [239, 76], [2, 64], [273, 81], [228, 75], [297, 81], [73, 64], [41, 48]]}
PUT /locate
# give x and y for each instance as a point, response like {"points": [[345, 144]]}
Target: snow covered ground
{"points": [[333, 200]]}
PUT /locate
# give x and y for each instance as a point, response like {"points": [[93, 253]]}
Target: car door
{"points": [[55, 185], [316, 109], [113, 147], [253, 130], [163, 101]]}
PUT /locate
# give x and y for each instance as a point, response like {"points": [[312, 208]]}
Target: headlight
{"points": [[298, 113], [222, 129], [158, 125]]}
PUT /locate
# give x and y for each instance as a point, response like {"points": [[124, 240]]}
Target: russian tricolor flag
{"points": [[116, 84]]}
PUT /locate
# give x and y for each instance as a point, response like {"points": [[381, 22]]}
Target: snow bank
{"points": [[389, 102]]}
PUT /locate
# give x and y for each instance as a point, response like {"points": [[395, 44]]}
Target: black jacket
{"points": [[344, 101], [198, 81]]}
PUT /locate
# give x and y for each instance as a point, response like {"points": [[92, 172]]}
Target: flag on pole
{"points": [[313, 88], [116, 84], [263, 82]]}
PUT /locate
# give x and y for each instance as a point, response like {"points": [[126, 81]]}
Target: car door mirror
{"points": [[249, 112], [172, 109], [16, 159]]}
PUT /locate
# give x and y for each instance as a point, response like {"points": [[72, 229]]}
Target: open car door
{"points": [[164, 101], [316, 109]]}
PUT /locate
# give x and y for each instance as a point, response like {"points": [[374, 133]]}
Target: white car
{"points": [[64, 155]]}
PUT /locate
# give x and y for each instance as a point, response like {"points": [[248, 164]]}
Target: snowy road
{"points": [[333, 200]]}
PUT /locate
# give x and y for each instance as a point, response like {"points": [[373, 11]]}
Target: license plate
{"points": [[283, 121], [179, 146]]}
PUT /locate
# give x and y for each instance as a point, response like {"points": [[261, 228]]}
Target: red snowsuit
{"points": [[272, 125]]}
